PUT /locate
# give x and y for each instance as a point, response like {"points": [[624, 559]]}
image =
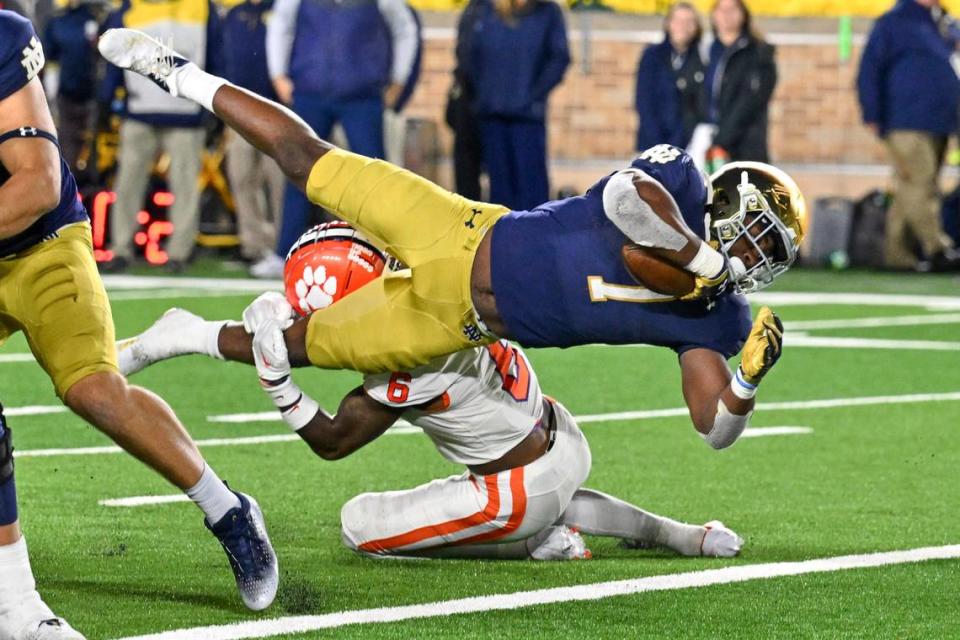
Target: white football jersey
{"points": [[483, 401]]}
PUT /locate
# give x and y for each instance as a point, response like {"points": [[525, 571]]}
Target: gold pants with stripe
{"points": [[53, 293], [404, 319]]}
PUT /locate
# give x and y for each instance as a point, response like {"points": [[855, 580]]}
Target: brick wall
{"points": [[814, 114]]}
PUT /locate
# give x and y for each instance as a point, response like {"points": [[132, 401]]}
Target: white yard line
{"points": [[784, 299], [404, 428], [215, 285], [274, 416], [115, 282], [794, 340], [579, 593], [17, 357], [35, 410], [763, 432], [881, 321], [140, 501]]}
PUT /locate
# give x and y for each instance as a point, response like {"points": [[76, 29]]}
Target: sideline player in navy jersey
{"points": [[553, 276], [50, 290]]}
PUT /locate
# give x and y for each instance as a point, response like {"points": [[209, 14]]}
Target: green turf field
{"points": [[870, 477]]}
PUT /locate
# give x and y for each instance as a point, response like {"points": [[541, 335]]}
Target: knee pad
{"points": [[6, 451], [8, 488]]}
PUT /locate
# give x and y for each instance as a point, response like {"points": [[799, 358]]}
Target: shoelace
{"points": [[243, 548], [159, 64]]}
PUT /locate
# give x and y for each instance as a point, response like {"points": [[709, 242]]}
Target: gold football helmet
{"points": [[756, 209]]}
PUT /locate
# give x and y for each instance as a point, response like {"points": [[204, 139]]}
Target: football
{"points": [[656, 273]]}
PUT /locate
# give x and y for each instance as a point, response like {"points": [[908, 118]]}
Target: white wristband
{"points": [[296, 407], [741, 388], [707, 263]]}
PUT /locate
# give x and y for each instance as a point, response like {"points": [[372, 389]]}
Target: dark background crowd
{"points": [[349, 69]]}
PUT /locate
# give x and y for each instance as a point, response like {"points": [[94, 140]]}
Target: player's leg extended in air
{"points": [[435, 233]]}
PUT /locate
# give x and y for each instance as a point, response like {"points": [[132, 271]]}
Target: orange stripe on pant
{"points": [[519, 493], [486, 516]]}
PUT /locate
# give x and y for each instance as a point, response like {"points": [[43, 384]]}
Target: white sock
{"points": [[211, 338], [193, 83], [596, 513], [213, 496], [20, 603]]}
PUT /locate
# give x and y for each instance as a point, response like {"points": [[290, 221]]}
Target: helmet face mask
{"points": [[758, 224]]}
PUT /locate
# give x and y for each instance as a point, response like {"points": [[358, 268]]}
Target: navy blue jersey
{"points": [[21, 59], [560, 280]]}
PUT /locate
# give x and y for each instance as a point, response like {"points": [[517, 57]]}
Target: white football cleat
{"points": [[563, 543], [719, 541], [49, 629], [138, 52], [174, 334]]}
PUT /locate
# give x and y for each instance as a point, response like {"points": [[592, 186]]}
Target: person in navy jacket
{"points": [[336, 61], [670, 77], [69, 42], [909, 96], [516, 55]]}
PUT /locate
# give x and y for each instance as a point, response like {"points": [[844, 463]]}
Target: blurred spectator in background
{"points": [[460, 112], [670, 82], [741, 76], [336, 61], [515, 57], [394, 121], [256, 180], [154, 121], [909, 94], [70, 46]]}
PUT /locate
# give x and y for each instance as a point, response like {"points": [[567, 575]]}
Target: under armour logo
{"points": [[32, 58], [473, 216], [28, 132], [472, 332]]}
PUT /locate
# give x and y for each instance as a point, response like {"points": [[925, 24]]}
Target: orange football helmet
{"points": [[326, 263]]}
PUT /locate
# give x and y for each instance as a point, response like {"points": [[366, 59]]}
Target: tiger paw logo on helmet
{"points": [[314, 289], [328, 262]]}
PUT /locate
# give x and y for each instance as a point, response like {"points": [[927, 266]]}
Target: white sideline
{"points": [[579, 593]]}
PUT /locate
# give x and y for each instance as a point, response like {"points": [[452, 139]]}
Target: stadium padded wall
{"points": [[781, 8]]}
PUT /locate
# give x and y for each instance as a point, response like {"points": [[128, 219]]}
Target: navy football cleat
{"points": [[243, 534]]}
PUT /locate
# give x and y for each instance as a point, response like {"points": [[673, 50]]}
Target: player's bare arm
{"points": [[273, 129], [359, 420], [721, 404], [645, 212], [33, 163]]}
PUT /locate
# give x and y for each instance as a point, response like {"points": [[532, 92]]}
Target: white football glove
{"points": [[271, 305], [273, 366], [270, 353]]}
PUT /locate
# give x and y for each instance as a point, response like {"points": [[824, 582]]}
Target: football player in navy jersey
{"points": [[552, 276], [50, 290]]}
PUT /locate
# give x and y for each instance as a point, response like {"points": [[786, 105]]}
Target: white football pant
{"points": [[472, 509]]}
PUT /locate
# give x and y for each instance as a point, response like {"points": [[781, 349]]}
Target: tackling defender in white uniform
{"points": [[526, 461], [526, 458]]}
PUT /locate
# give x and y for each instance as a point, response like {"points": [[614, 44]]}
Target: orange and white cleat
{"points": [[719, 541]]}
